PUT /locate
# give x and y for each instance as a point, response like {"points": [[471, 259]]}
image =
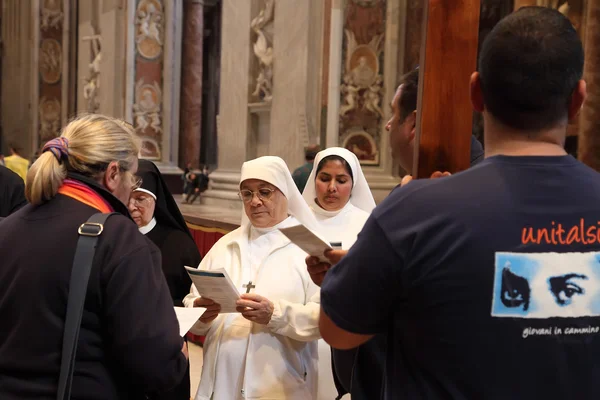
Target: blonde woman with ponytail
{"points": [[129, 343]]}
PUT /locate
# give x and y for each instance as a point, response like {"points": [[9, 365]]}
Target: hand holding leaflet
{"points": [[217, 286], [307, 240]]}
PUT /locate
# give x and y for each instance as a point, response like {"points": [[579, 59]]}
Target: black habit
{"points": [[172, 236], [129, 342], [12, 192]]}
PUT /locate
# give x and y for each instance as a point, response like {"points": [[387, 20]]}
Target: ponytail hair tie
{"points": [[59, 147]]}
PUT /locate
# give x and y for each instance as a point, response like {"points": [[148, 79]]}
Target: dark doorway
{"points": [[492, 11], [211, 69]]}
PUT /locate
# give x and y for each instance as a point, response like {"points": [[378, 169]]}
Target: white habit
{"points": [[246, 360], [338, 226]]}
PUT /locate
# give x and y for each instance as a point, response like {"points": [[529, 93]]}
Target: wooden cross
{"points": [[444, 112], [248, 286]]}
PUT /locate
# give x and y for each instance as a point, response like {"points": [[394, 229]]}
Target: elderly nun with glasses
{"points": [[268, 349], [154, 210]]}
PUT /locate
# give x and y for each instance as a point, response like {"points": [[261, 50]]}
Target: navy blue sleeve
{"points": [[359, 293]]}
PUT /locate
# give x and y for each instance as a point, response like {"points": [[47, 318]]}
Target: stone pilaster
{"points": [[589, 137], [296, 78], [233, 122]]}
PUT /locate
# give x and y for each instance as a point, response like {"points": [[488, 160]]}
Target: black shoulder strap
{"points": [[82, 265]]}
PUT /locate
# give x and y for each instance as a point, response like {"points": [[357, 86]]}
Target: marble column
{"points": [[233, 121], [296, 78], [589, 139], [191, 83]]}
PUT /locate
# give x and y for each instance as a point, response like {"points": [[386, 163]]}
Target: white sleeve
{"points": [[199, 328], [188, 300], [298, 321]]}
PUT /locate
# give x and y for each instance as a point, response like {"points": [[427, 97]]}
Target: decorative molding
{"points": [[262, 25]]}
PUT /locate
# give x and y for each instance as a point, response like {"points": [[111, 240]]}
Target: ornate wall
{"points": [[361, 114], [148, 96], [153, 75], [53, 69]]}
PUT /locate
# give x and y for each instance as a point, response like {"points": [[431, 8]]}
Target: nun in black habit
{"points": [[155, 211]]}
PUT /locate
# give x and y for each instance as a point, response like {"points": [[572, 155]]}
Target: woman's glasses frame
{"points": [[263, 194]]}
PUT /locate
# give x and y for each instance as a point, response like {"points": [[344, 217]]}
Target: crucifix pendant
{"points": [[248, 286]]}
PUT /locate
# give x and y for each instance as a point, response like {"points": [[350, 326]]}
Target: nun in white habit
{"points": [[339, 196], [268, 350]]}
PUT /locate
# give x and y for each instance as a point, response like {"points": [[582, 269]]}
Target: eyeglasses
{"points": [[262, 194]]}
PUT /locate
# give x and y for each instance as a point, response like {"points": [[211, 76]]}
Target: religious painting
{"points": [[49, 114], [361, 90], [362, 144], [149, 20], [50, 60]]}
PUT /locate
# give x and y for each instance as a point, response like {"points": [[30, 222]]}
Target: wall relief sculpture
{"points": [[50, 60], [146, 110], [361, 116], [52, 14], [149, 20], [262, 25], [49, 114], [362, 78], [92, 81]]}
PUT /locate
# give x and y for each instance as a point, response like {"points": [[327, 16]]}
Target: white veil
{"points": [[361, 196], [276, 172]]}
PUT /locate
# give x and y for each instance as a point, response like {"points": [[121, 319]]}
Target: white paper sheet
{"points": [[307, 240], [187, 317], [217, 286]]}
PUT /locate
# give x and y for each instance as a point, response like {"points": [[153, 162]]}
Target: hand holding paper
{"points": [[307, 240], [217, 286], [317, 268]]}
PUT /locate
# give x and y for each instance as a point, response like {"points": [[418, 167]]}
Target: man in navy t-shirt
{"points": [[487, 282]]}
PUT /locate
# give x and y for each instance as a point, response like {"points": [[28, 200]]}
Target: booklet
{"points": [[187, 317], [308, 241], [217, 286]]}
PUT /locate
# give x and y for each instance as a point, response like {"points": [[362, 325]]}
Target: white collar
{"points": [[317, 209], [147, 228]]}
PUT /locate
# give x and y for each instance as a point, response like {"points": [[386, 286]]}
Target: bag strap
{"points": [[82, 265]]}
